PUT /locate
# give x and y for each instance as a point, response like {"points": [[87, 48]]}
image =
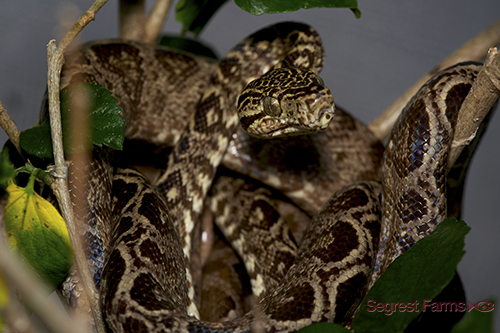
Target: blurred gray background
{"points": [[370, 62]]}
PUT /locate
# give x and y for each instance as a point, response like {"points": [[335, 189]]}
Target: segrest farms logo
{"points": [[427, 305]]}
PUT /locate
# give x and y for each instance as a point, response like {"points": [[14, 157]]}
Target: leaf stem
{"points": [[31, 184], [38, 173]]}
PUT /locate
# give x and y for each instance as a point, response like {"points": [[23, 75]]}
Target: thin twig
{"points": [[60, 187], [156, 19], [482, 96], [36, 294], [17, 318], [78, 185], [132, 20], [85, 19], [475, 49], [9, 127], [14, 314]]}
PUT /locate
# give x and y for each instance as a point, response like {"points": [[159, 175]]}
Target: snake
{"points": [[146, 274]]}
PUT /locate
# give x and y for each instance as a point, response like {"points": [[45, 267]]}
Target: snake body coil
{"points": [[148, 282]]}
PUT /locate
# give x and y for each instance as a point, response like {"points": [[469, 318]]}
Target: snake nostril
{"points": [[327, 112]]}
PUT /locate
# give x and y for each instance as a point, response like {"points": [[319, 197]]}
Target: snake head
{"points": [[285, 101]]}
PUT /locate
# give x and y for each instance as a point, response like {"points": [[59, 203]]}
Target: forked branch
{"points": [[55, 61]]}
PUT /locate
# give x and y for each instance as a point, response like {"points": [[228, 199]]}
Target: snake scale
{"points": [[148, 277]]}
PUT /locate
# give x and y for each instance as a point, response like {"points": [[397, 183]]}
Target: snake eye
{"points": [[271, 106]]}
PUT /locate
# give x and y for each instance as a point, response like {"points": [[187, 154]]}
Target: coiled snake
{"points": [[147, 279]]}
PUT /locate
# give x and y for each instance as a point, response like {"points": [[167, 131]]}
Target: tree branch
{"points": [[475, 49], [482, 96], [17, 318], [60, 187], [132, 20], [82, 22], [9, 127], [156, 19]]}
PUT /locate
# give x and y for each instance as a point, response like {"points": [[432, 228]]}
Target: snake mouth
{"points": [[268, 128], [278, 132], [275, 129], [289, 130]]}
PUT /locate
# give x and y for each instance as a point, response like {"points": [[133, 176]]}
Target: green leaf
{"points": [[188, 45], [194, 14], [37, 230], [324, 328], [107, 122], [105, 119], [413, 278], [36, 140], [259, 7], [475, 321]]}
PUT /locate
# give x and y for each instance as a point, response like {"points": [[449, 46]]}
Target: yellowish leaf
{"points": [[37, 230]]}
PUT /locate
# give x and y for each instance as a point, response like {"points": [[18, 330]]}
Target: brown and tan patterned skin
{"points": [[416, 159], [146, 283], [247, 215], [308, 169], [148, 79], [226, 291], [199, 150]]}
